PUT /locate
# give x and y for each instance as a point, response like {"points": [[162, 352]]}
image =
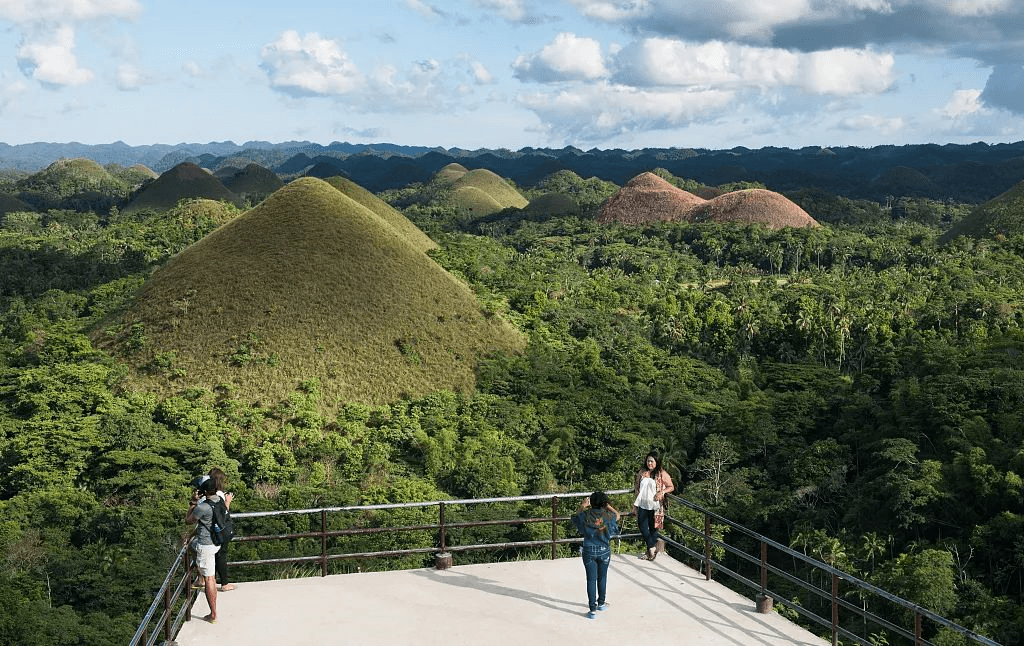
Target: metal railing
{"points": [[835, 601], [172, 604]]}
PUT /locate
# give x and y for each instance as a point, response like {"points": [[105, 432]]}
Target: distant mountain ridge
{"points": [[968, 173]]}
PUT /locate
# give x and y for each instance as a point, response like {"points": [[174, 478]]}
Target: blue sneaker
{"points": [[591, 615], [603, 606]]}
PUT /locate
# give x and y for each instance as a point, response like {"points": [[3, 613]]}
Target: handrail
{"points": [[443, 550], [836, 575]]}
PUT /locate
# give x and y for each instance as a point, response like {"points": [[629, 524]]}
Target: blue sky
{"points": [[514, 73]]}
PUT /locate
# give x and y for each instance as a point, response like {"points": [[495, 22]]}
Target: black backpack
{"points": [[223, 529]]}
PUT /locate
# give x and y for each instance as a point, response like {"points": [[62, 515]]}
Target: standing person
{"points": [[220, 480], [645, 513], [200, 512], [598, 522]]}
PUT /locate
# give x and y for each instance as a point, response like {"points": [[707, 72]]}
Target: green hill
{"points": [[11, 204], [186, 180], [65, 178], [253, 183], [309, 284], [553, 204], [401, 223], [1003, 215]]}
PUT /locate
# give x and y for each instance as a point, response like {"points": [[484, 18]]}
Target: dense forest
{"points": [[854, 390]]}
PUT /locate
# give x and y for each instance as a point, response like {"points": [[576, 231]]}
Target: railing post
{"points": [[764, 602], [707, 547], [918, 641], [443, 559], [835, 609], [323, 542], [188, 584], [554, 527], [167, 610]]}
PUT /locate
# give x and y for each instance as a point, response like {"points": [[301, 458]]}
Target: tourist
{"points": [[598, 522], [650, 515], [220, 480], [200, 512]]}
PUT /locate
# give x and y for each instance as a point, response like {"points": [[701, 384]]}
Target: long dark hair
{"points": [[656, 471], [219, 478]]}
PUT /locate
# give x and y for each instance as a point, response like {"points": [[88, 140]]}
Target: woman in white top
{"points": [[652, 485]]}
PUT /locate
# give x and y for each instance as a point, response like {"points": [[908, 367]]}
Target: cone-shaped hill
{"points": [[183, 181], [1003, 215], [192, 213], [753, 206], [648, 198], [553, 204], [309, 284], [476, 192], [67, 177], [400, 223], [11, 204], [253, 183]]}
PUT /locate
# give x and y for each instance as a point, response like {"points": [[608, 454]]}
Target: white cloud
{"points": [[63, 11], [10, 91], [193, 69], [595, 112], [481, 74], [886, 126], [511, 10], [132, 77], [670, 62], [422, 8], [967, 8], [567, 58], [52, 61], [844, 72], [309, 65], [961, 104]]}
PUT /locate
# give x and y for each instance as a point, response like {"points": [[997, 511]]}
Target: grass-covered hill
{"points": [[186, 180], [400, 223], [253, 183], [310, 284], [475, 192], [753, 206], [67, 177], [11, 204], [553, 204], [648, 198], [193, 213], [1003, 215]]}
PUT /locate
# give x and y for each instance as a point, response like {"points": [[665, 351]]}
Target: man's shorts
{"points": [[206, 556]]}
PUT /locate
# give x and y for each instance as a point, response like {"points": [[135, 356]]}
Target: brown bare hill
{"points": [[1003, 215], [308, 285], [753, 206], [401, 223], [647, 198], [186, 180]]}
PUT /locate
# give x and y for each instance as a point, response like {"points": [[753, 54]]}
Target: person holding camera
{"points": [[200, 513], [598, 522], [220, 481]]}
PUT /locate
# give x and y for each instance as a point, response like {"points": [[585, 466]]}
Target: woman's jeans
{"points": [[596, 559], [645, 518]]}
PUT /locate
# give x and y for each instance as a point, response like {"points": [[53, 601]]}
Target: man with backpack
{"points": [[203, 545]]}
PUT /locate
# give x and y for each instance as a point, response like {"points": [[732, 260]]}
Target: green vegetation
{"points": [[854, 390]]}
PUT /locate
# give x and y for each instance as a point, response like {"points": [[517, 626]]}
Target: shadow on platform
{"points": [[531, 602]]}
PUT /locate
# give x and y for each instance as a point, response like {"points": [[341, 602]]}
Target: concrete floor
{"points": [[525, 602]]}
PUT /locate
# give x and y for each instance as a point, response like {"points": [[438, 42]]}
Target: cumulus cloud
{"points": [[962, 104], [309, 65], [9, 91], [887, 126], [51, 59], [595, 112], [567, 58], [64, 11], [1005, 88], [132, 77], [481, 74]]}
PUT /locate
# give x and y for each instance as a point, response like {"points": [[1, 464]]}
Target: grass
{"points": [[186, 180], [399, 222], [1003, 215], [327, 288]]}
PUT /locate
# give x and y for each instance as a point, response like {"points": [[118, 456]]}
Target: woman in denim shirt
{"points": [[598, 521]]}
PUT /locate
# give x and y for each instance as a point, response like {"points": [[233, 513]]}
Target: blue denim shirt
{"points": [[598, 526]]}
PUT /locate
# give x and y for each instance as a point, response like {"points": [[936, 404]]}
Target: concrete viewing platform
{"points": [[528, 602]]}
